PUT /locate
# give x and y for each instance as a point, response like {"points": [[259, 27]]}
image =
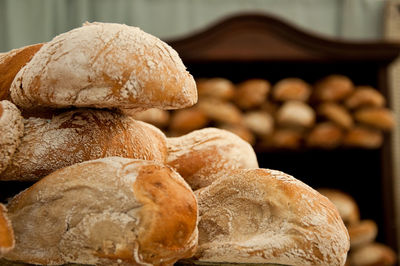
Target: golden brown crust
{"points": [[198, 155], [365, 96], [373, 254], [220, 88], [11, 131], [241, 131], [380, 118], [7, 240], [157, 117], [104, 65], [290, 89], [11, 63], [266, 216], [220, 111], [82, 135], [252, 93], [363, 137], [105, 212], [336, 113], [362, 233], [325, 135], [187, 120], [259, 122], [283, 139], [333, 88], [295, 114]]}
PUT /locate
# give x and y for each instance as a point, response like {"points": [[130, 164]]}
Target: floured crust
{"points": [[11, 63], [106, 212], [202, 153], [11, 131], [266, 216], [82, 135], [105, 65], [7, 240]]}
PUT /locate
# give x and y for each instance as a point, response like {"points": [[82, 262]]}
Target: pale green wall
{"points": [[24, 22]]}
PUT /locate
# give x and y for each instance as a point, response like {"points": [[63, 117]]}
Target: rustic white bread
{"points": [[259, 122], [336, 113], [111, 211], [220, 111], [11, 63], [333, 88], [7, 240], [362, 233], [266, 216], [157, 117], [374, 254], [251, 93], [295, 114], [198, 155], [363, 137], [346, 205], [104, 65], [290, 89], [364, 96], [326, 135], [11, 131], [82, 135], [380, 118], [186, 120], [220, 88]]}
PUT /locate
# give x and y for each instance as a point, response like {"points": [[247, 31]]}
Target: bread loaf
{"points": [[333, 88], [187, 120], [241, 131], [252, 93], [362, 233], [364, 96], [11, 131], [373, 254], [111, 211], [7, 240], [220, 111], [291, 89], [154, 116], [295, 114], [346, 205], [266, 216], [261, 123], [380, 118], [363, 137], [104, 65], [78, 136], [283, 138], [336, 113], [325, 135], [219, 88], [202, 153], [11, 63]]}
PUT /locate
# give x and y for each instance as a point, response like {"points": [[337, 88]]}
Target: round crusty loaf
{"points": [[290, 89], [251, 93], [202, 153], [7, 240], [333, 88], [374, 254], [105, 65], [220, 88], [362, 233], [266, 216], [364, 96], [82, 135], [11, 63], [105, 212], [11, 131]]}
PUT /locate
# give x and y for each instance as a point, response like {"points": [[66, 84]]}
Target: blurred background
{"points": [[313, 85]]}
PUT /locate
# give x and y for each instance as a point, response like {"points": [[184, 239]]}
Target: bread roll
{"points": [[283, 138], [295, 114], [7, 240], [291, 89], [373, 254], [154, 116], [325, 135], [362, 233], [220, 88], [380, 118], [261, 123], [333, 88], [364, 96], [11, 131], [346, 205], [82, 135], [104, 65], [10, 63], [266, 216], [105, 212], [363, 137], [202, 153], [220, 111], [252, 93], [336, 113], [187, 120]]}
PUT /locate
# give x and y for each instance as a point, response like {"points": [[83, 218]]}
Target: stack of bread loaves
{"points": [[111, 190], [364, 251], [289, 114]]}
